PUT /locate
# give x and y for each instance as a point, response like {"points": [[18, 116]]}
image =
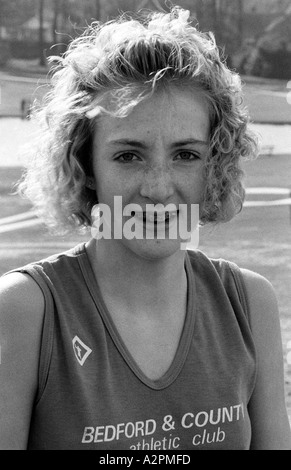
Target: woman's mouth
{"points": [[155, 217]]}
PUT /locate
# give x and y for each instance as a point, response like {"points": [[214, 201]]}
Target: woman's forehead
{"points": [[176, 111]]}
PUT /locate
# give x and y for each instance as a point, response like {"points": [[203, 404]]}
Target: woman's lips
{"points": [[155, 217]]}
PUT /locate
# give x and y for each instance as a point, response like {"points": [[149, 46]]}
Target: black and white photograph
{"points": [[145, 227]]}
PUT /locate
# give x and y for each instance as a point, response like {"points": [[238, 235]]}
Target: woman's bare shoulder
{"points": [[251, 277], [21, 320], [20, 296], [21, 317], [260, 293], [263, 308], [270, 425]]}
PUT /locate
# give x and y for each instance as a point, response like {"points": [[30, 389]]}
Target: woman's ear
{"points": [[90, 182]]}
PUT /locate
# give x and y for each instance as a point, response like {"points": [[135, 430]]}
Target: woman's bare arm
{"points": [[21, 318], [270, 425]]}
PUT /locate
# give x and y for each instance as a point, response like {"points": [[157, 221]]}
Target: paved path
{"points": [[15, 134], [275, 139]]}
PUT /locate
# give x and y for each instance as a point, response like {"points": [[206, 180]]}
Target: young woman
{"points": [[128, 342]]}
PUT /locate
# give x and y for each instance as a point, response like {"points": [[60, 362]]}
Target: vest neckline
{"points": [[186, 336]]}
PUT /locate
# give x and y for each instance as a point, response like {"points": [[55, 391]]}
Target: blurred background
{"points": [[255, 36]]}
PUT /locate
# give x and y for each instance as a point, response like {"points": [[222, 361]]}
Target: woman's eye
{"points": [[127, 157], [187, 155]]}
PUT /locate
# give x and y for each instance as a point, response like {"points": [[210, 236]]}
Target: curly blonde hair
{"points": [[127, 60]]}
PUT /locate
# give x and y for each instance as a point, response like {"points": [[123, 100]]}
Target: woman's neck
{"points": [[139, 284]]}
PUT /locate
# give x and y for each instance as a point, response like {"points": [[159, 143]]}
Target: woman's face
{"points": [[155, 155]]}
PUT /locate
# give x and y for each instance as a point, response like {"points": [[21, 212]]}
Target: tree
{"points": [[97, 9], [199, 10], [41, 35], [55, 19], [226, 19], [214, 7], [12, 15], [240, 9]]}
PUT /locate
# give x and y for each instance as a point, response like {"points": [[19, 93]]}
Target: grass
{"points": [[269, 171]]}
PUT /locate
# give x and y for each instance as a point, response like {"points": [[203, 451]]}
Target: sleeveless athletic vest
{"points": [[92, 394]]}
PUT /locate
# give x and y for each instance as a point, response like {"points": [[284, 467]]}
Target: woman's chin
{"points": [[155, 248]]}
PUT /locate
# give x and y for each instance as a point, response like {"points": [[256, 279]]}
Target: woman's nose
{"points": [[157, 185]]}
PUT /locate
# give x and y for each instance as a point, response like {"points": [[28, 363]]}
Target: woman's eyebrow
{"points": [[129, 142], [190, 141], [143, 145]]}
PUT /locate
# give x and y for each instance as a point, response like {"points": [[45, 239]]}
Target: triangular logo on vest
{"points": [[81, 350]]}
